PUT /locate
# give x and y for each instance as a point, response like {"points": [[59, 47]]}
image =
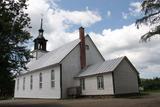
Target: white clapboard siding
{"points": [[46, 91], [91, 85]]}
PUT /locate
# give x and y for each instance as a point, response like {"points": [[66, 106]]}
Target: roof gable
{"points": [[89, 38], [52, 57], [130, 64], [102, 67], [56, 56]]}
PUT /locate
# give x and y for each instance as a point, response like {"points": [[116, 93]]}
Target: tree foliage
{"points": [[151, 10], [151, 84], [13, 34], [14, 55]]}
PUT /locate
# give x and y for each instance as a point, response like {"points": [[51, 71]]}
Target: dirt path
{"points": [[152, 100]]}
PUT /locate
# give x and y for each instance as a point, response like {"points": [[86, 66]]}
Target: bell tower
{"points": [[40, 42]]}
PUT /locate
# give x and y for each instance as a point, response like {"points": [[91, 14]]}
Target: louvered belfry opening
{"points": [[82, 48]]}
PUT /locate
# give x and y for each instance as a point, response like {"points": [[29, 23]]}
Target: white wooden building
{"points": [[76, 64]]}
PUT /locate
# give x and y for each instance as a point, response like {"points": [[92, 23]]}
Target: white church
{"points": [[76, 68]]}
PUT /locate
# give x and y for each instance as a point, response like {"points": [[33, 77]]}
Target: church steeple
{"points": [[40, 42]]}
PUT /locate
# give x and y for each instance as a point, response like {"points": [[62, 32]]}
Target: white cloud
{"points": [[136, 6], [84, 18], [108, 13], [133, 10]]}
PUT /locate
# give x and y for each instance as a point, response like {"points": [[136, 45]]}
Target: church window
{"points": [[31, 82], [52, 78], [24, 83], [87, 47], [40, 80], [100, 82], [18, 84], [82, 83]]}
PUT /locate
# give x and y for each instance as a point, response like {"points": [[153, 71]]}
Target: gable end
{"points": [[95, 47]]}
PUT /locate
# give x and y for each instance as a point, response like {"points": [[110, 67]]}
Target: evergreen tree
{"points": [[151, 10], [14, 23]]}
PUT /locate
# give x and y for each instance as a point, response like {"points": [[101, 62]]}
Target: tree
{"points": [[151, 10], [14, 36], [6, 84], [151, 84]]}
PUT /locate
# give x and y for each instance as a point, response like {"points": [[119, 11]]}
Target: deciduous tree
{"points": [[14, 35], [151, 17]]}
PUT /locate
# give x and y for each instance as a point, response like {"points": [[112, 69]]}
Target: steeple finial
{"points": [[41, 23], [41, 29]]}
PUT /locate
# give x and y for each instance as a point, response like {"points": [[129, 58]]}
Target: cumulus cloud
{"points": [[133, 10], [111, 43]]}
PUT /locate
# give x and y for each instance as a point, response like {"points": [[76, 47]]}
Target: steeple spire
{"points": [[41, 23], [41, 30]]}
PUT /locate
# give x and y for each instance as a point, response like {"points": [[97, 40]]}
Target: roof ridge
{"points": [[52, 57], [115, 58], [65, 44], [59, 47]]}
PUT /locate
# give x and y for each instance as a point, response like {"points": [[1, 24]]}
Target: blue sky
{"points": [[116, 7], [110, 24]]}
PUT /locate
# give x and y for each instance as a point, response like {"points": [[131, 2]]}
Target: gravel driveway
{"points": [[152, 100]]}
